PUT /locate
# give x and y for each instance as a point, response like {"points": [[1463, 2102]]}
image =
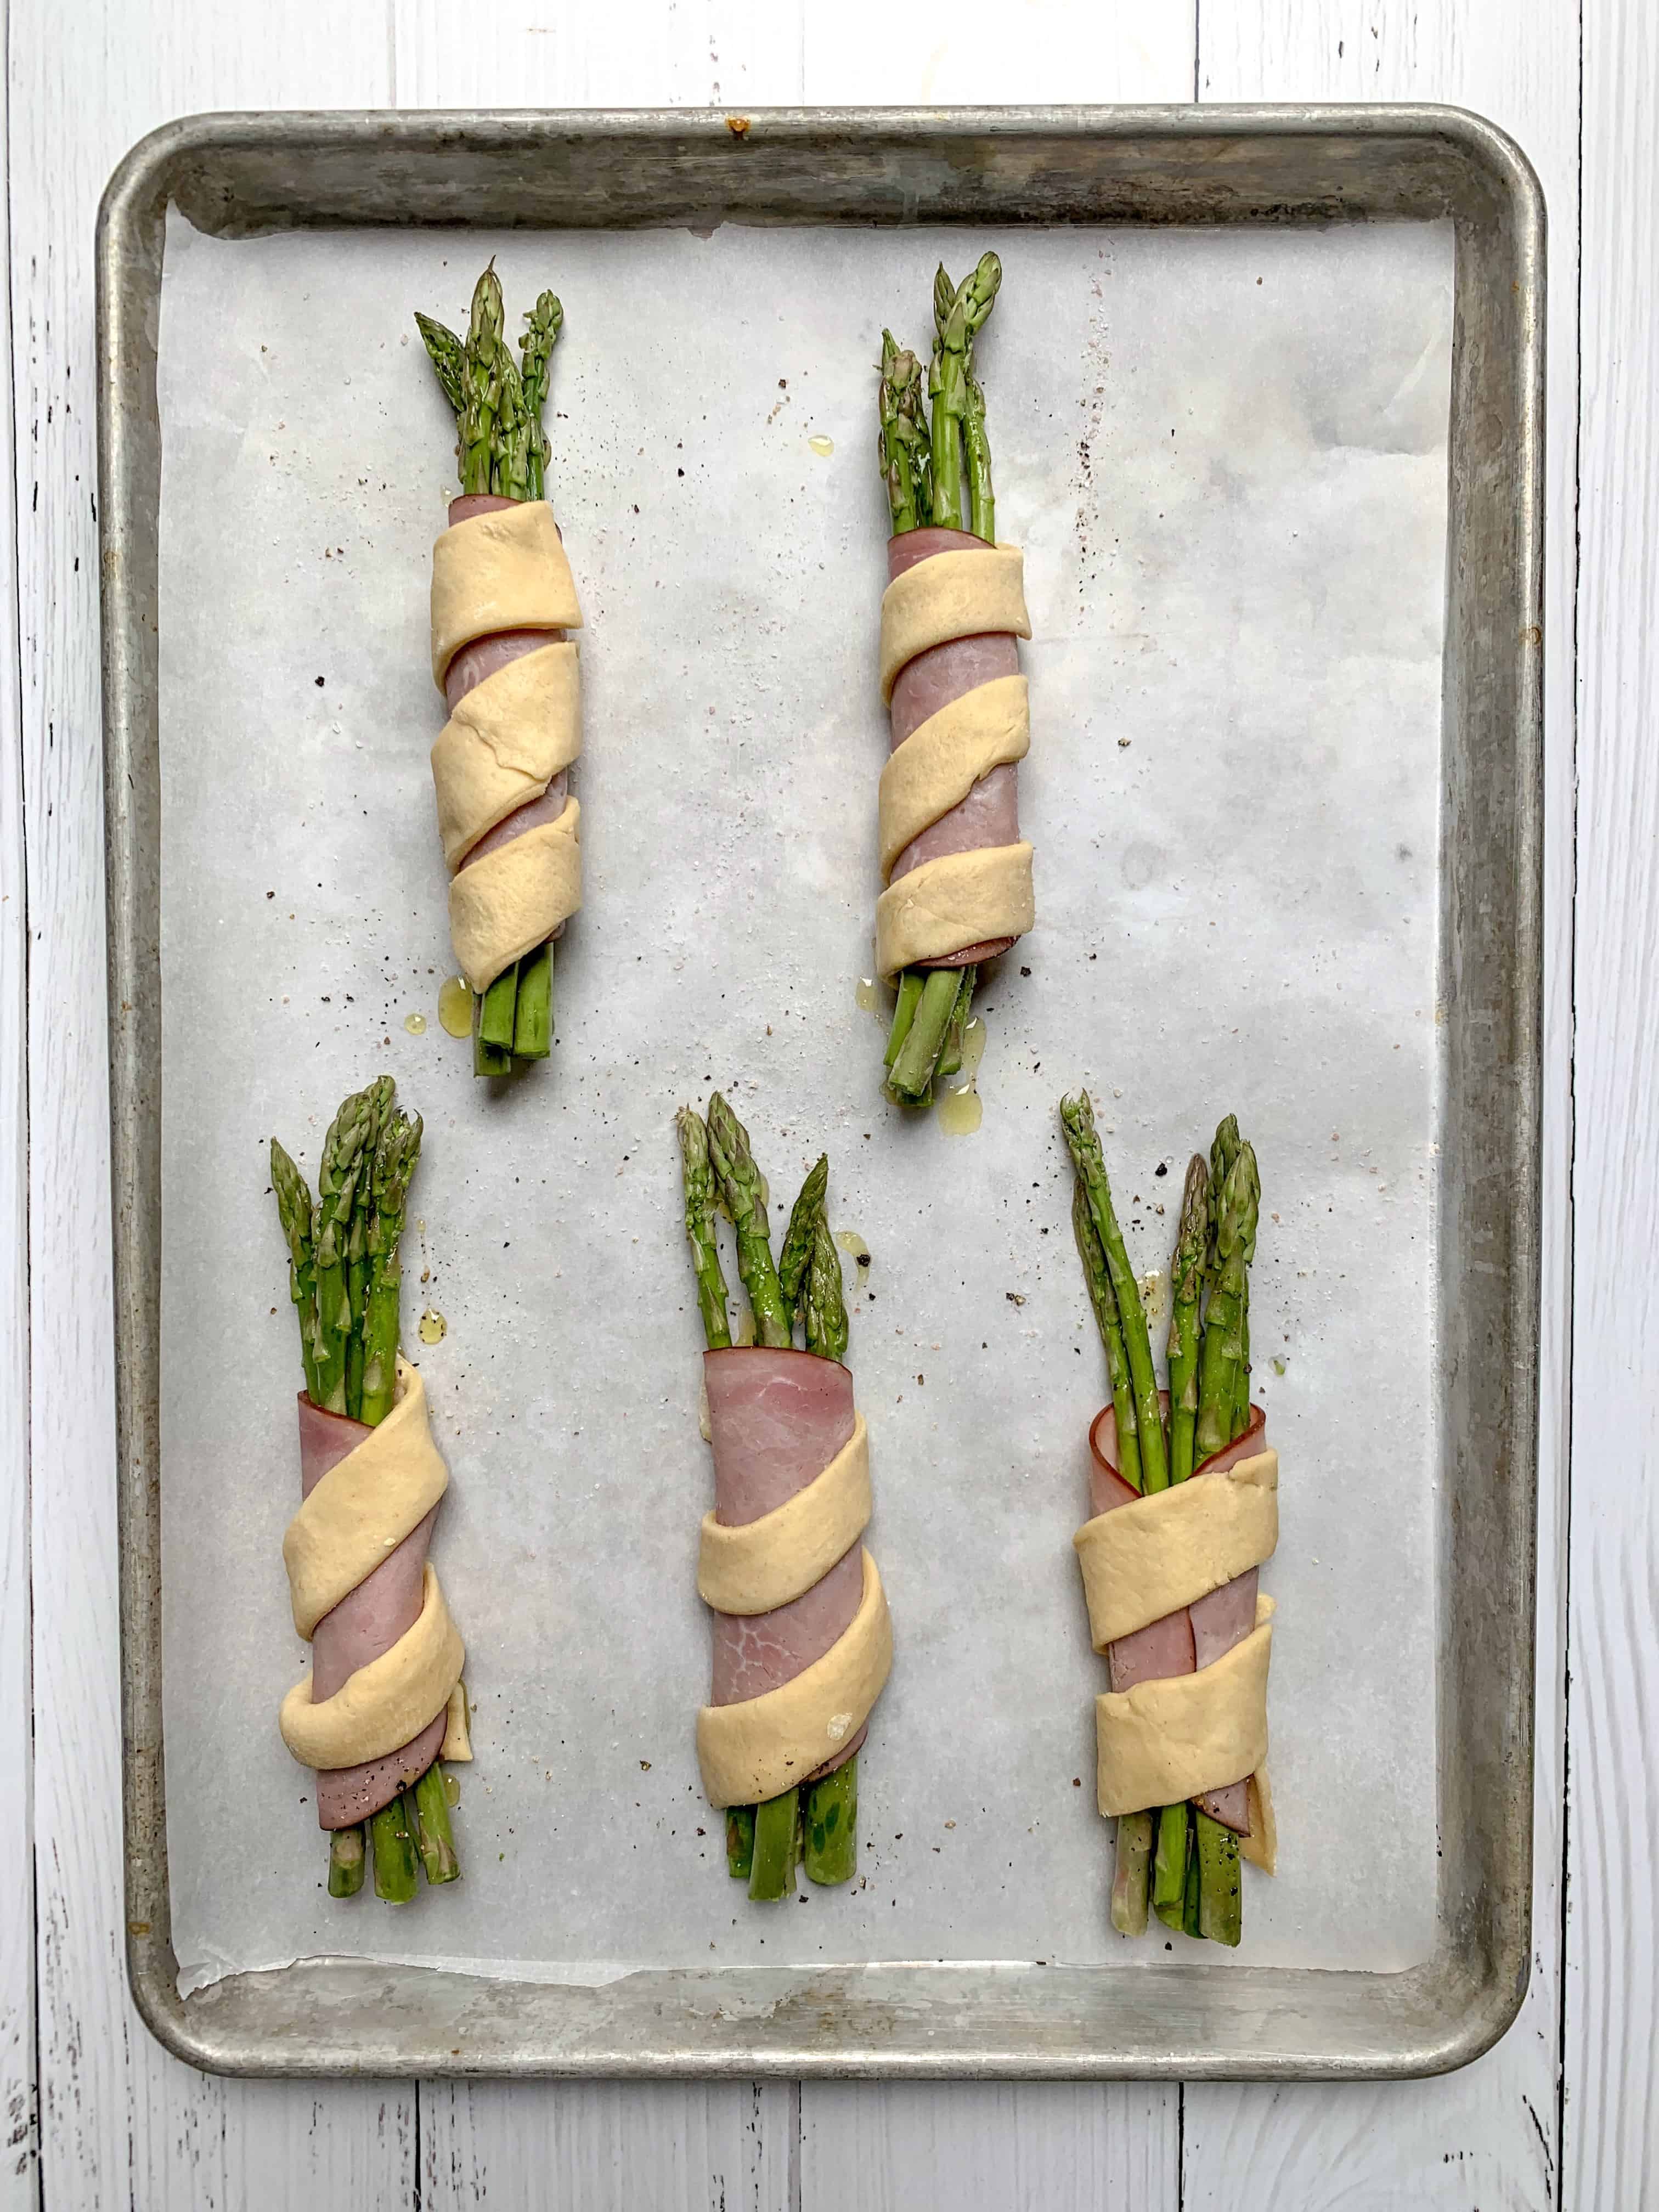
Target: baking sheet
{"points": [[1225, 455]]}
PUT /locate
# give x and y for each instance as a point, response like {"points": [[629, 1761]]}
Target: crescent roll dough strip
{"points": [[364, 1507], [385, 1703], [763, 1745], [767, 1563], [1176, 1737], [960, 898], [504, 571], [949, 595], [505, 741], [940, 763], [516, 896], [457, 1740], [1142, 1561]]}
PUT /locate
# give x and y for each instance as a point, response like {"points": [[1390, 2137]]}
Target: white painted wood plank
{"points": [[918, 2145], [1487, 2136], [19, 2144], [1610, 2151], [937, 2146], [120, 2122]]}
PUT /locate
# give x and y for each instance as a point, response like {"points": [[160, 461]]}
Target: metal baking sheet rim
{"points": [[243, 174]]}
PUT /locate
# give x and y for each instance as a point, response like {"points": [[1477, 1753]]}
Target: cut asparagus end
{"points": [[1189, 1919], [740, 1841], [830, 1823], [497, 1011], [1220, 1903], [397, 1869], [532, 1020], [950, 1057], [912, 1078], [434, 1838], [1131, 1878], [487, 1059], [347, 1861], [773, 1874], [1170, 1867], [904, 1012]]}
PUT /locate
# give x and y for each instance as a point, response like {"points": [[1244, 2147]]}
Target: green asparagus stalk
{"points": [[740, 1841], [293, 1205], [771, 1875], [1221, 1905], [1104, 1302], [337, 1185], [912, 1078], [830, 1825], [740, 1186], [434, 1838], [1190, 1916], [1131, 1877], [397, 1867], [498, 1011], [950, 1057], [347, 1859], [1170, 1866], [487, 1059], [826, 1307], [395, 1156], [1187, 1285], [481, 386], [1221, 1383], [903, 439], [795, 1258], [959, 314], [904, 1011], [378, 1096], [448, 355], [981, 502], [535, 344], [533, 1018], [1077, 1120], [699, 1180]]}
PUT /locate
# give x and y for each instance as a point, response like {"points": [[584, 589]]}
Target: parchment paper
{"points": [[1225, 455]]}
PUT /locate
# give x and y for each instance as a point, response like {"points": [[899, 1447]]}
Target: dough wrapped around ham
{"points": [[1193, 1536], [798, 1667], [959, 875], [365, 1514], [503, 605]]}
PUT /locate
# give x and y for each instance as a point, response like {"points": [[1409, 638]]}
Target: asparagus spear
{"points": [[378, 1096], [1222, 1366], [740, 1841], [904, 1011], [1220, 1906], [449, 356], [699, 1179], [396, 1868], [740, 1186], [1078, 1119], [960, 312], [1104, 1302], [950, 1057], [903, 439], [337, 1187], [481, 388], [830, 1825], [981, 503], [911, 1082], [1131, 1876], [347, 1859], [294, 1205], [1170, 1866], [395, 1156], [772, 1874], [533, 1016], [1186, 1284], [797, 1253], [434, 1840], [535, 344], [826, 1309]]}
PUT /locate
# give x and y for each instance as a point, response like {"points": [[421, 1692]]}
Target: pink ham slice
{"points": [[366, 1621], [989, 815], [775, 1421], [481, 658], [1198, 1635]]}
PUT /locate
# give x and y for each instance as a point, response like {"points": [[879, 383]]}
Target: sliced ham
{"points": [[1198, 1634], [366, 1621], [483, 658], [776, 1419], [989, 815]]}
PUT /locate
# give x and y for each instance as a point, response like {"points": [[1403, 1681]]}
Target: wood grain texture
{"points": [[121, 2124], [1486, 2137], [19, 2141], [1611, 2148]]}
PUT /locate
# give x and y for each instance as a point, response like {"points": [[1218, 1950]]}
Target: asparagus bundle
{"points": [[958, 878], [1184, 1857], [345, 1279], [776, 1416], [513, 598]]}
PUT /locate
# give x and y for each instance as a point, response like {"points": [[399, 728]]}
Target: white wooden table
{"points": [[92, 2114]]}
